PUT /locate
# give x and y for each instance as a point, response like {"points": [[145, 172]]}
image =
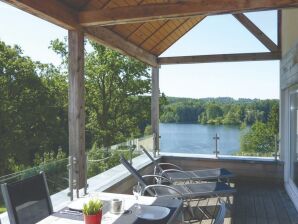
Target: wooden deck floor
{"points": [[255, 202]]}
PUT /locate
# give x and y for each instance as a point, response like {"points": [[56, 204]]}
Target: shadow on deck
{"points": [[254, 202]]}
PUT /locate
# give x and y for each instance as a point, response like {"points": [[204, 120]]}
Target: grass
{"points": [[2, 209]]}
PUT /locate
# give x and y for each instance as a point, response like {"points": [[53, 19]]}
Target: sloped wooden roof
{"points": [[154, 36], [140, 28]]}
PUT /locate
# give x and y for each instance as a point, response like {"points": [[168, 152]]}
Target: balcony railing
{"points": [[266, 174]]}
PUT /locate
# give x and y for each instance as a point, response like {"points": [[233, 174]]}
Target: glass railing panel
{"points": [[218, 140], [100, 159]]}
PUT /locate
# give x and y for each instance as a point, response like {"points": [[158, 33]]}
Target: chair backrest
{"points": [[220, 217], [133, 171], [151, 158], [27, 201]]}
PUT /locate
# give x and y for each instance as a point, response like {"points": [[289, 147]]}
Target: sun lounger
{"points": [[177, 174], [187, 192]]}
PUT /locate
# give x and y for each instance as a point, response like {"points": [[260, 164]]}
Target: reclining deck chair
{"points": [[177, 174], [186, 192]]}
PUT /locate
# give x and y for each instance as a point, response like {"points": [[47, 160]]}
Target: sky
{"points": [[214, 35]]}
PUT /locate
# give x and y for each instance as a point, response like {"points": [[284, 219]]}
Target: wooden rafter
{"points": [[114, 41], [219, 58], [172, 32], [176, 9], [259, 34], [155, 31]]}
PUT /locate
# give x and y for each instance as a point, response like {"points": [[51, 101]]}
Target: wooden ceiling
{"points": [[154, 36], [140, 28]]}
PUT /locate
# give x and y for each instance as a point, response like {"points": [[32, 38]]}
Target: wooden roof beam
{"points": [[219, 58], [110, 39], [279, 29], [53, 11], [176, 9], [259, 34]]}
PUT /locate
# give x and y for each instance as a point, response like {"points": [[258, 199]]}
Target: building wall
{"points": [[288, 86], [289, 29]]}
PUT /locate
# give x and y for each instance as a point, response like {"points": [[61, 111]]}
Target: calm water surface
{"points": [[196, 138]]}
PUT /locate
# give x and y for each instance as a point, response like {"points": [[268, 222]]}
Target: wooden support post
{"points": [[155, 109], [76, 106]]}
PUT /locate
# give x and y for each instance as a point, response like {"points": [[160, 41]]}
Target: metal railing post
{"points": [[158, 146], [130, 151], [216, 138], [276, 146], [70, 177], [86, 173]]}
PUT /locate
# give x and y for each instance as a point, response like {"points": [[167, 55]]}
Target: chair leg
{"points": [[190, 211]]}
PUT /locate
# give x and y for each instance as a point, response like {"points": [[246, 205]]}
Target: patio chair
{"points": [[27, 201], [187, 192], [177, 174], [221, 213]]}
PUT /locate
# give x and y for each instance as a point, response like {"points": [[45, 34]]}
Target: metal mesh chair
{"points": [[220, 217], [187, 192], [27, 201], [177, 174]]}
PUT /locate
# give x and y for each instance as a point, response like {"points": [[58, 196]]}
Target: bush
{"points": [[259, 139]]}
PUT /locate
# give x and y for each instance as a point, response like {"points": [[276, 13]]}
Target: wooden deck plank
{"points": [[256, 202], [290, 208], [280, 210], [271, 213], [261, 215]]}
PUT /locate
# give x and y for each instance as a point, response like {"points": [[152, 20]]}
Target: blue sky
{"points": [[214, 35]]}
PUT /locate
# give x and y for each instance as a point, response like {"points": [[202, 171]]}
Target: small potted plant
{"points": [[93, 212]]}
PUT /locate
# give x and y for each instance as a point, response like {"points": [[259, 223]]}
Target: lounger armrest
{"points": [[175, 170], [156, 176], [170, 164], [154, 186]]}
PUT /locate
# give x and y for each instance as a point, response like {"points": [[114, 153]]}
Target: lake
{"points": [[197, 138]]}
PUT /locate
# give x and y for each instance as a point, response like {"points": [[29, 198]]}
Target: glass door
{"points": [[294, 138]]}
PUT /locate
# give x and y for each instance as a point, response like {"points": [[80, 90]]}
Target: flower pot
{"points": [[93, 219]]}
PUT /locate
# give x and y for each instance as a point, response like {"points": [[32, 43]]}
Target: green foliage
{"points": [[31, 116], [47, 157], [93, 207], [34, 103], [220, 111], [213, 111], [115, 107], [259, 139], [102, 159], [148, 130], [2, 209]]}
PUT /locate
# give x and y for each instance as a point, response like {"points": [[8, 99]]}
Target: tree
{"points": [[259, 139], [273, 120], [213, 111], [31, 117], [115, 84]]}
